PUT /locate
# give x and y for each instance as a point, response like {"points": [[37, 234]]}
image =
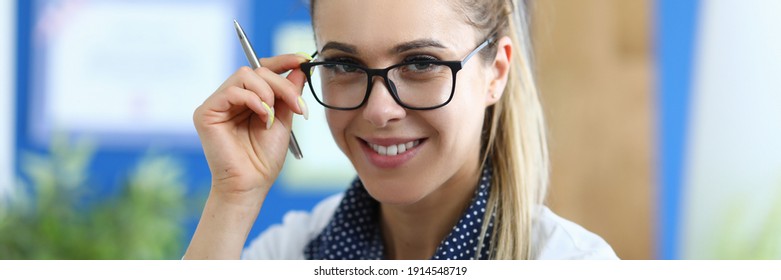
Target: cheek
{"points": [[463, 117], [458, 123], [470, 100], [337, 122], [461, 123]]}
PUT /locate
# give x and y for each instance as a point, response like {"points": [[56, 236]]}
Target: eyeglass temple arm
{"points": [[477, 50]]}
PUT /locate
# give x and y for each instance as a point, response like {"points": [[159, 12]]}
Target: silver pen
{"points": [[254, 63]]}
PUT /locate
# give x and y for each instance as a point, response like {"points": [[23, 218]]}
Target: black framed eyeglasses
{"points": [[416, 85]]}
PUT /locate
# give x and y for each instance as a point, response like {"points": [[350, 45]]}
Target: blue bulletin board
{"points": [[83, 70]]}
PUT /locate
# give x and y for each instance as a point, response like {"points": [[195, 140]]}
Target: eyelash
{"points": [[342, 60], [416, 58]]}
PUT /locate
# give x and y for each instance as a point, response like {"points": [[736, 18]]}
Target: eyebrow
{"points": [[400, 48], [340, 46], [418, 44]]}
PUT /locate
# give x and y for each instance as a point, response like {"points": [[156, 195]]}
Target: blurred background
{"points": [[664, 116]]}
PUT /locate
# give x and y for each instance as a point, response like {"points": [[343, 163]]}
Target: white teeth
{"points": [[393, 150], [402, 148], [382, 150]]}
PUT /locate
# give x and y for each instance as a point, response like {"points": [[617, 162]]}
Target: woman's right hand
{"points": [[245, 142], [244, 127]]}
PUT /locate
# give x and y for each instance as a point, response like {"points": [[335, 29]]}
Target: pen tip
{"points": [[239, 31]]}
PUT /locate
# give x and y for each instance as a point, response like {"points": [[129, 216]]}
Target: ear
{"points": [[499, 71]]}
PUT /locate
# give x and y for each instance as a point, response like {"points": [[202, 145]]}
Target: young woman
{"points": [[434, 104]]}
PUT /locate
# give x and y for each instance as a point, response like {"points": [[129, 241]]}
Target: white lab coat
{"points": [[553, 238]]}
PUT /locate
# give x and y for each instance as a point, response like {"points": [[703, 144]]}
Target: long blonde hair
{"points": [[515, 140]]}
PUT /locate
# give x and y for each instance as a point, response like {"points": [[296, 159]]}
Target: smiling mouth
{"points": [[393, 150]]}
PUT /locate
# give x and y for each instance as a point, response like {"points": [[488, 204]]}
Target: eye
{"points": [[341, 65], [420, 63], [419, 66]]}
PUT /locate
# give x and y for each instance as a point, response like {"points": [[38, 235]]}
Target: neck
{"points": [[414, 231]]}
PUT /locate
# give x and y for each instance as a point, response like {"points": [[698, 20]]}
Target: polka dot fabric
{"points": [[354, 230], [463, 239]]}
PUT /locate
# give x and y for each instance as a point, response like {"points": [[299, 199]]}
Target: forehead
{"points": [[384, 23]]}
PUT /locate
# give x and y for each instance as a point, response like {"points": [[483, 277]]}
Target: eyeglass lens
{"points": [[416, 85]]}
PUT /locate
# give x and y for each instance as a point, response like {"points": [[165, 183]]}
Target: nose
{"points": [[381, 109]]}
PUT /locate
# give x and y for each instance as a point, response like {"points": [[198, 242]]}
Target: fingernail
{"points": [[305, 56], [270, 112], [304, 108]]}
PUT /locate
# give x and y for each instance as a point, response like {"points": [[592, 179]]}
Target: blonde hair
{"points": [[516, 138]]}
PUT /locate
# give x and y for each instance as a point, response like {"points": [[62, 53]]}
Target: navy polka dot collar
{"points": [[354, 229]]}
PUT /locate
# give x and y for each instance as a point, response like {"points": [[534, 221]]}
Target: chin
{"points": [[394, 192]]}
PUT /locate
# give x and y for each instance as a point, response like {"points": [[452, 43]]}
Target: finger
{"points": [[248, 79], [283, 63], [225, 105], [297, 77], [284, 115], [284, 89]]}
